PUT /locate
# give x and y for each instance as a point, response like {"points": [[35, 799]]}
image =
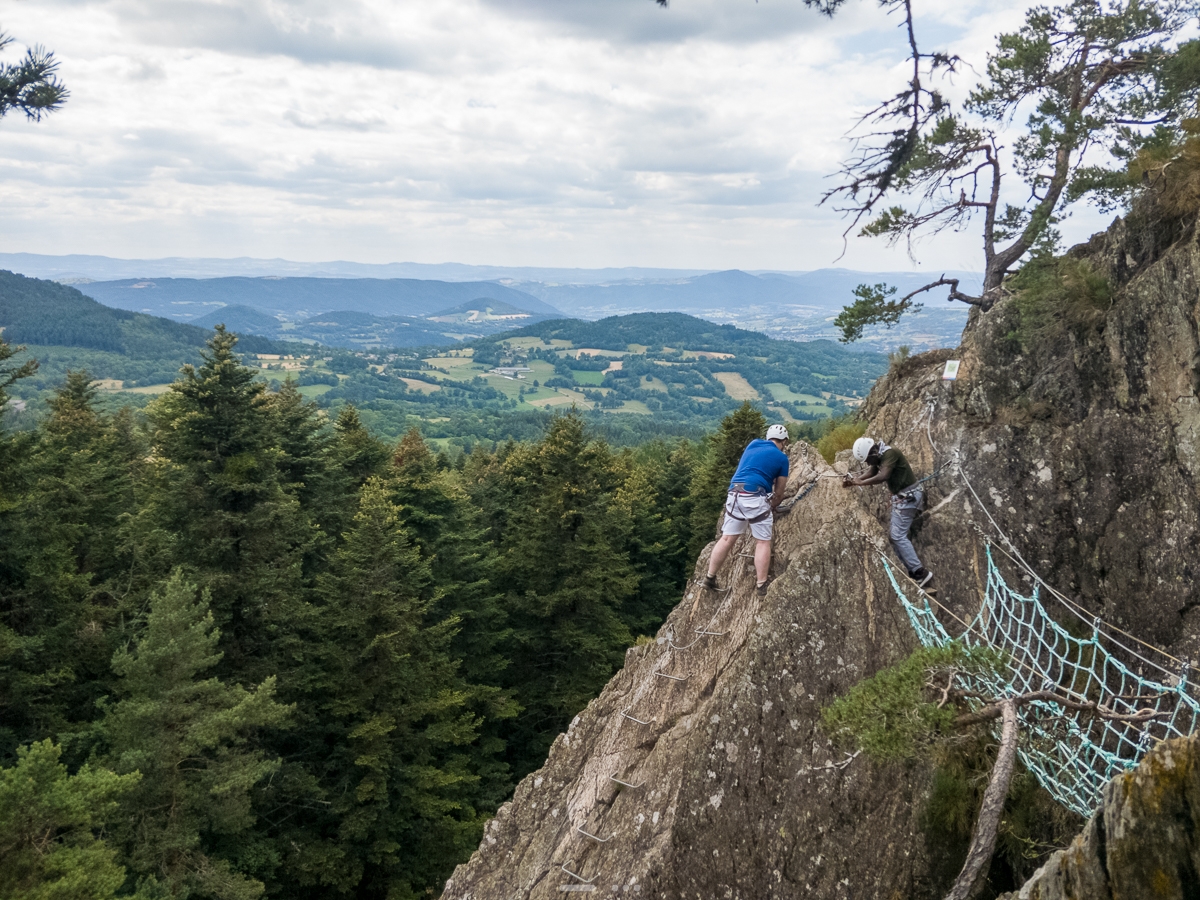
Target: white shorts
{"points": [[740, 508]]}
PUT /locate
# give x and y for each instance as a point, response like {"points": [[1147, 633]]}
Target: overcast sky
{"points": [[503, 132]]}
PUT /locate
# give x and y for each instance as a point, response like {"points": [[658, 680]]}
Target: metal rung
{"points": [[672, 677], [580, 877], [674, 646], [576, 888], [712, 633], [625, 783], [625, 713], [598, 840]]}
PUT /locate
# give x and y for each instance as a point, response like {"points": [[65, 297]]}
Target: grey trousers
{"points": [[904, 511]]}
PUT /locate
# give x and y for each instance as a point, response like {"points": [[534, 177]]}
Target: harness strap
{"points": [[731, 508]]}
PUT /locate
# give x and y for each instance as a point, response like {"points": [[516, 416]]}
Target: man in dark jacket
{"points": [[887, 465]]}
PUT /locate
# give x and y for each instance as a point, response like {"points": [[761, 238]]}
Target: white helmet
{"points": [[862, 448], [777, 433]]}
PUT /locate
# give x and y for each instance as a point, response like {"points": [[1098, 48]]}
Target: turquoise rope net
{"points": [[1072, 753]]}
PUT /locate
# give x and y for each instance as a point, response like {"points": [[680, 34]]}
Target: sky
{"points": [[495, 132]]}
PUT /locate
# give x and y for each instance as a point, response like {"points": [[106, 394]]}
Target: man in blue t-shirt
{"points": [[755, 491]]}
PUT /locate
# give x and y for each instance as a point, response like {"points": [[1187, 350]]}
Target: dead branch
{"points": [[994, 709], [955, 293]]}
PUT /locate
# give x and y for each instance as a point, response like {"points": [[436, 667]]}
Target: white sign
{"points": [[950, 373]]}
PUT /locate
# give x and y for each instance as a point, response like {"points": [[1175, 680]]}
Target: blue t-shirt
{"points": [[762, 462]]}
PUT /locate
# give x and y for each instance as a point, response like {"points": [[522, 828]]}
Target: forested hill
{"points": [[248, 649], [664, 330], [81, 332], [699, 354]]}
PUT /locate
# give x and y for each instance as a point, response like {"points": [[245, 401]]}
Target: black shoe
{"points": [[710, 582], [761, 589], [924, 581]]}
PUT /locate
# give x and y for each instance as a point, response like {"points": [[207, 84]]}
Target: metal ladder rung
{"points": [[625, 783], [672, 677], [625, 713], [674, 646], [580, 877], [711, 633], [598, 840]]}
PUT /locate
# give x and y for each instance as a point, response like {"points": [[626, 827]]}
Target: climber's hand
{"points": [[848, 481]]}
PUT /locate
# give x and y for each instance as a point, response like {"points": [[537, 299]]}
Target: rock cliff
{"points": [[1141, 843], [701, 770]]}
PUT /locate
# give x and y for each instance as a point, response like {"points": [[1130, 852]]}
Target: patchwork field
{"points": [[737, 386]]}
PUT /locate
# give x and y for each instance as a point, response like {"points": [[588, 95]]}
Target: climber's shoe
{"points": [[924, 580], [710, 582], [761, 588]]}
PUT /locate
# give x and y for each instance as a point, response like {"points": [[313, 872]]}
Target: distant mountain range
{"points": [[360, 331], [190, 298], [455, 305], [77, 267]]}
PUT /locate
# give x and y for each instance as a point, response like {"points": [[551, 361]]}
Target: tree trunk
{"points": [[983, 840]]}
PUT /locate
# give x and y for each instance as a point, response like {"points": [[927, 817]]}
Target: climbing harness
{"points": [[734, 508]]}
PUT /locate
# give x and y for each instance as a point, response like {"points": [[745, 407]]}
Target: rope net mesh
{"points": [[1072, 753]]}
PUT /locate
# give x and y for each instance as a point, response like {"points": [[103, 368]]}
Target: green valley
{"points": [[634, 377]]}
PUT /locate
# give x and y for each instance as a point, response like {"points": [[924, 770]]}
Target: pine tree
{"points": [[653, 545], [565, 569], [303, 440], [62, 565], [219, 506], [436, 509], [12, 372], [49, 823], [391, 722], [188, 822], [357, 453]]}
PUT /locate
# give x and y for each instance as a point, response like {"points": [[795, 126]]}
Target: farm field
{"points": [[737, 386]]}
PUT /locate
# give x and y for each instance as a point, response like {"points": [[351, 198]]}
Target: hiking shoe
{"points": [[710, 582], [761, 589], [924, 581]]}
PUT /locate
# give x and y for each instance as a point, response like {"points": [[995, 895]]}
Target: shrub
{"points": [[842, 437], [1054, 296]]}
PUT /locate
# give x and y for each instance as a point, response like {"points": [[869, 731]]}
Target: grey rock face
{"points": [[1142, 842], [1084, 452], [740, 794]]}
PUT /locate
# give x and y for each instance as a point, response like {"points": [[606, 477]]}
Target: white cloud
{"points": [[522, 132]]}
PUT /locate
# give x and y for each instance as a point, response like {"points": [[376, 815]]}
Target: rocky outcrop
{"points": [[738, 793], [1143, 843], [1083, 451]]}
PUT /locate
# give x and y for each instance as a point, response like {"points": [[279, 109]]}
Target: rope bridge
{"points": [[1072, 753]]}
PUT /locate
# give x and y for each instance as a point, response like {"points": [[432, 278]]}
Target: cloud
{"points": [[556, 132], [310, 31]]}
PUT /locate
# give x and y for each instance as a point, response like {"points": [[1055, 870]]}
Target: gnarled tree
{"points": [[1104, 74]]}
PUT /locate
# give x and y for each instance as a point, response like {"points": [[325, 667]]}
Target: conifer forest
{"points": [[246, 650]]}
